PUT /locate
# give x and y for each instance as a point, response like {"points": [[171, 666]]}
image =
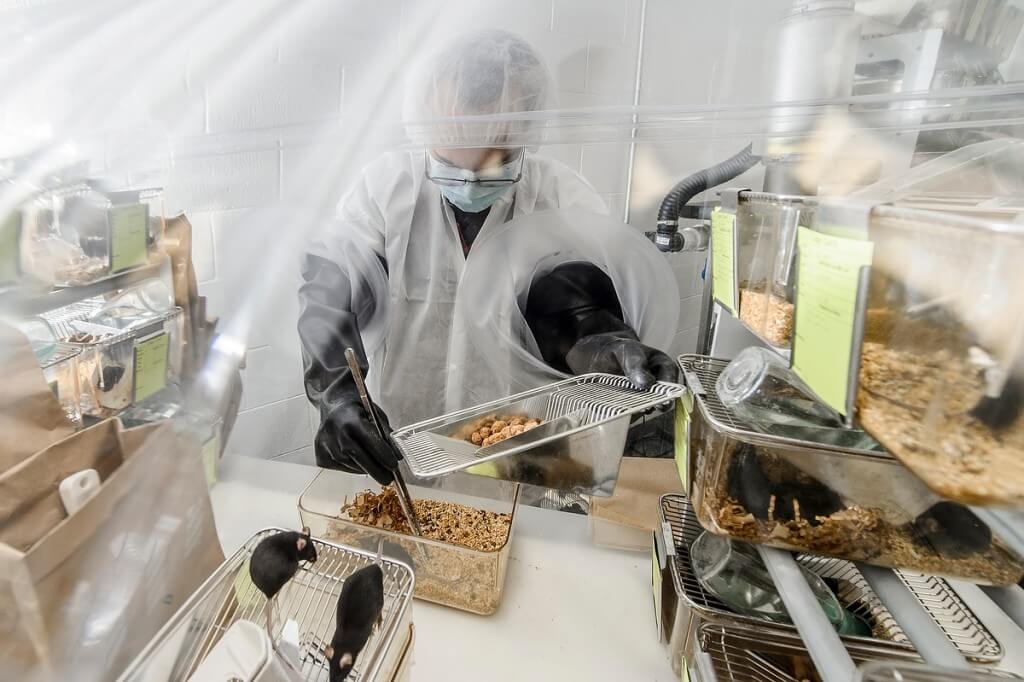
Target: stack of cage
{"points": [[686, 606], [867, 506], [107, 354]]}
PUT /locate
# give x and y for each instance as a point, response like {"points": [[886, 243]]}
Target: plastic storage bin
{"points": [[941, 377], [108, 378], [76, 234], [65, 236], [686, 606], [446, 574], [860, 505], [310, 599], [766, 227], [60, 369]]}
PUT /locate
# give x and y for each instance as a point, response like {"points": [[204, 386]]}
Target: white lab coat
{"points": [[398, 213]]}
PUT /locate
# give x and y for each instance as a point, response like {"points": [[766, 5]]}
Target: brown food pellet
{"points": [[769, 315], [494, 429]]}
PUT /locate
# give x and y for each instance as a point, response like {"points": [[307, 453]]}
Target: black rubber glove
{"points": [[621, 353], [328, 324], [348, 440], [576, 319]]}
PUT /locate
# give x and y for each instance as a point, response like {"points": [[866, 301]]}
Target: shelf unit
{"points": [[25, 301], [823, 644]]}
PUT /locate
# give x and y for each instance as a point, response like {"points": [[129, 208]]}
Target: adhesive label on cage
{"points": [[723, 259], [828, 275], [129, 226], [151, 365], [10, 250], [684, 406], [656, 586]]}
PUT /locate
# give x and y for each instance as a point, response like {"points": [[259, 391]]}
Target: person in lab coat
{"points": [[384, 279]]}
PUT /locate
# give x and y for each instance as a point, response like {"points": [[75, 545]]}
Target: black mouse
{"points": [[952, 530], [999, 413], [747, 483], [751, 487], [814, 497], [359, 610], [276, 559]]}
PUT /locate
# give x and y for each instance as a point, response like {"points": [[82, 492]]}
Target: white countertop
{"points": [[570, 611]]}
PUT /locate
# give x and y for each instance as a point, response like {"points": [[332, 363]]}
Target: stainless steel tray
{"points": [[695, 606], [310, 599], [734, 658], [577, 448]]}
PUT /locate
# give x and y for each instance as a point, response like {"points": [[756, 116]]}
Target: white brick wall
{"points": [[260, 98], [325, 65]]}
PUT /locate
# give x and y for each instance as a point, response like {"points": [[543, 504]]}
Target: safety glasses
{"points": [[443, 173]]}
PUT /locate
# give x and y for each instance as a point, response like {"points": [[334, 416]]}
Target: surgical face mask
{"points": [[472, 198], [474, 191]]}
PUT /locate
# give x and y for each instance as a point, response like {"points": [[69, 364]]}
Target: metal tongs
{"points": [[403, 492]]}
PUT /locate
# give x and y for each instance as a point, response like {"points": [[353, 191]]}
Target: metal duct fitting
{"points": [[818, 41]]}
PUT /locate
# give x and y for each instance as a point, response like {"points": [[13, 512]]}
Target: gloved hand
{"points": [[328, 324], [620, 352], [348, 440], [577, 321]]}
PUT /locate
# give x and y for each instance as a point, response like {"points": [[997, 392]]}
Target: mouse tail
{"points": [[269, 611]]}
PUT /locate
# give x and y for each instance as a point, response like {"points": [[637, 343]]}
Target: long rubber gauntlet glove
{"points": [[575, 316], [328, 324]]}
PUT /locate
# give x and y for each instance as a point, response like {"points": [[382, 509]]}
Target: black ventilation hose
{"points": [[692, 185]]}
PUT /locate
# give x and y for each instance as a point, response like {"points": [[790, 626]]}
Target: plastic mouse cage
{"points": [[686, 606], [310, 599]]}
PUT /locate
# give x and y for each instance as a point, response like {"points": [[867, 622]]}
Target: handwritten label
{"points": [[826, 311], [10, 250], [151, 365], [684, 407], [129, 226], [723, 259]]}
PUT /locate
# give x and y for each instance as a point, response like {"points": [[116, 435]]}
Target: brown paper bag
{"points": [[31, 418], [84, 599]]}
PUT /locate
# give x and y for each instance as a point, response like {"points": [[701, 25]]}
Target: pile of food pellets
{"points": [[496, 429]]}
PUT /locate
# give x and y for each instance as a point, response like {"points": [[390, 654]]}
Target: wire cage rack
{"points": [[694, 606], [310, 599]]}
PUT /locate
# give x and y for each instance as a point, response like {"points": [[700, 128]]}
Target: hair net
{"points": [[487, 79]]}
